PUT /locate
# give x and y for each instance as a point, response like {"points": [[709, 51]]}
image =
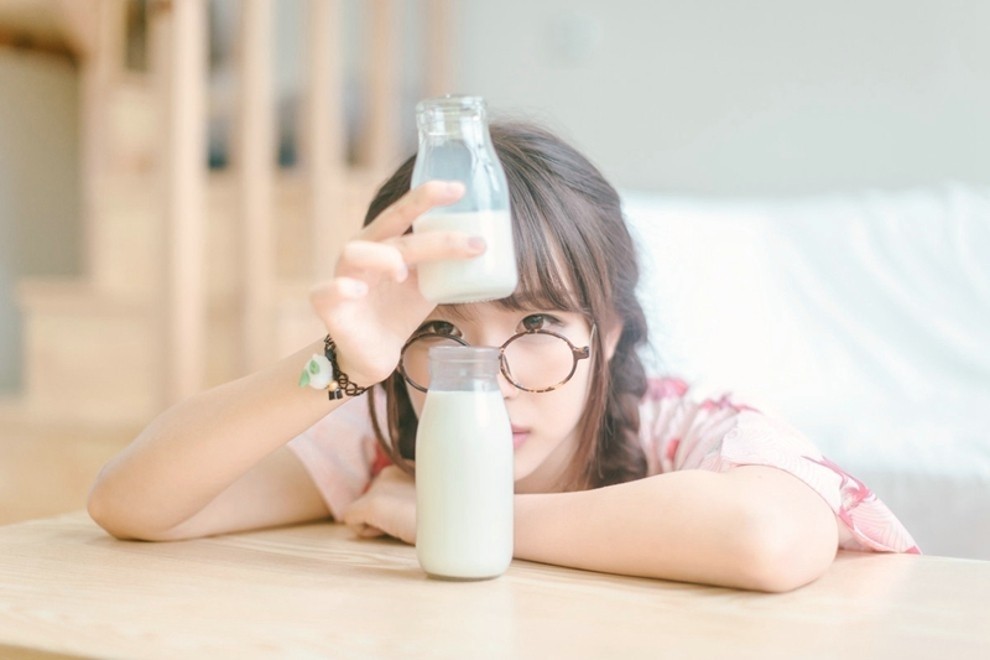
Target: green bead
{"points": [[304, 378]]}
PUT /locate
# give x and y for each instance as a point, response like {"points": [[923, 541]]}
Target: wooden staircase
{"points": [[96, 347], [92, 345]]}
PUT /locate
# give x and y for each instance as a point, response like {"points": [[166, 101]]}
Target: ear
{"points": [[610, 338]]}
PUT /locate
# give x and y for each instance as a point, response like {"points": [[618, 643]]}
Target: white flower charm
{"points": [[318, 373]]}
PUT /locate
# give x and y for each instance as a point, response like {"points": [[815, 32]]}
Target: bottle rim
{"points": [[463, 353], [451, 103]]}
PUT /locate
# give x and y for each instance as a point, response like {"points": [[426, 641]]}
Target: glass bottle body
{"points": [[455, 145], [464, 468]]}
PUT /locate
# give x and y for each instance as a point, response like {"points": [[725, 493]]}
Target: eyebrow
{"points": [[562, 301], [458, 311]]}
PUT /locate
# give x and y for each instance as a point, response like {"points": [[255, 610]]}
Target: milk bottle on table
{"points": [[455, 145], [464, 461]]}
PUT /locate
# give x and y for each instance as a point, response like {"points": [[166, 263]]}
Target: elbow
{"points": [[772, 571], [124, 521], [778, 557], [103, 512], [116, 519]]}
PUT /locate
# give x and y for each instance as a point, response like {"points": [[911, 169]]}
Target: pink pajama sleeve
{"points": [[718, 435]]}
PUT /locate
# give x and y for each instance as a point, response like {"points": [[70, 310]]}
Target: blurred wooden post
{"points": [[438, 45], [255, 171], [183, 58], [379, 143], [322, 142], [91, 27]]}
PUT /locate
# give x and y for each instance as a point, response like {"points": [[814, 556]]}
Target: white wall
{"points": [[715, 97], [39, 187], [730, 97], [711, 97]]}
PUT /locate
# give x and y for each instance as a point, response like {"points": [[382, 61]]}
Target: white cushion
{"points": [[864, 319]]}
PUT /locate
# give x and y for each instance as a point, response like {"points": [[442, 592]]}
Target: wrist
{"points": [[323, 372]]}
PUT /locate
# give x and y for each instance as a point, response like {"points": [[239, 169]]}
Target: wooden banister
{"points": [[255, 165], [438, 43], [378, 146], [322, 143], [182, 38]]}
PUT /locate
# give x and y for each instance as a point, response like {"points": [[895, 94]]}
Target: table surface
{"points": [[316, 590]]}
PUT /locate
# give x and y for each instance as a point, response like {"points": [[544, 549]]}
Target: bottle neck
{"points": [[452, 118], [464, 368], [455, 145]]}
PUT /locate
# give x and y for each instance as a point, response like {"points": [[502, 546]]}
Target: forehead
{"points": [[496, 311], [554, 297], [549, 275]]}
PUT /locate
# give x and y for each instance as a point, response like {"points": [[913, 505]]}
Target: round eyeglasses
{"points": [[532, 360]]}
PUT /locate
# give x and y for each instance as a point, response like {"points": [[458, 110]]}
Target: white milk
{"points": [[464, 485], [489, 276]]}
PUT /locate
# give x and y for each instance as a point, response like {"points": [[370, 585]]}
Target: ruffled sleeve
{"points": [[719, 434]]}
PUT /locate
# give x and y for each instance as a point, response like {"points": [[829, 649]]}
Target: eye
{"points": [[535, 322], [438, 328]]}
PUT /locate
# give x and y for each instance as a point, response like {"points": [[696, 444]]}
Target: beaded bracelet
{"points": [[322, 373]]}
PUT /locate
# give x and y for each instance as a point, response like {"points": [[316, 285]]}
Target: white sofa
{"points": [[863, 319]]}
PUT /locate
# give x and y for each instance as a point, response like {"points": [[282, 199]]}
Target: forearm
{"points": [[692, 526], [192, 452]]}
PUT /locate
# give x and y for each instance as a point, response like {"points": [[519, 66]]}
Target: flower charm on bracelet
{"points": [[318, 373]]}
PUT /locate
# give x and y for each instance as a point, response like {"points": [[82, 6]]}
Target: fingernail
{"points": [[454, 188], [477, 244], [403, 274]]}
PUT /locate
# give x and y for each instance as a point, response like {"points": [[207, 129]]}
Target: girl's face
{"points": [[544, 425]]}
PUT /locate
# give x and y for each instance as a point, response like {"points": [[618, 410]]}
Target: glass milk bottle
{"points": [[455, 145], [464, 463]]}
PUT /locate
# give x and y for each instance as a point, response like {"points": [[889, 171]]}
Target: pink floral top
{"points": [[341, 455]]}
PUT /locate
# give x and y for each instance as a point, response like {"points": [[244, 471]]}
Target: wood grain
{"points": [[316, 590]]}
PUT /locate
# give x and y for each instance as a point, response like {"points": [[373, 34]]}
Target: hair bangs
{"points": [[544, 278]]}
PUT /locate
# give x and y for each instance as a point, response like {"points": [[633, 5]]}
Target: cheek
{"points": [[417, 398], [566, 404]]}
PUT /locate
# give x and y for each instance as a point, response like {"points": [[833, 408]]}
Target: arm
{"points": [[752, 527], [213, 463], [216, 462]]}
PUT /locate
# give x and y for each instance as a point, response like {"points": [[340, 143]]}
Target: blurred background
{"points": [[809, 182]]}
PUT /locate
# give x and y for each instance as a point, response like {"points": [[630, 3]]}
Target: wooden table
{"points": [[315, 590]]}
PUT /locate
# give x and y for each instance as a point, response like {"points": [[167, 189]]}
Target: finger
{"points": [[338, 289], [355, 516], [398, 217], [359, 257], [434, 245], [328, 296], [369, 531]]}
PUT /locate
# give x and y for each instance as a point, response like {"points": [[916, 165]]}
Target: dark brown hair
{"points": [[567, 217]]}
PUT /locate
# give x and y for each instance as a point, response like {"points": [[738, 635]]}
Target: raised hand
{"points": [[373, 303]]}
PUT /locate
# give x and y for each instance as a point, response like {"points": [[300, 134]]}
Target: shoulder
{"points": [[680, 432], [677, 429]]}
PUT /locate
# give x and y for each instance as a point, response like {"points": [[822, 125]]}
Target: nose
{"points": [[509, 391]]}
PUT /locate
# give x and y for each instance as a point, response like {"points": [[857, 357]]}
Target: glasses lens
{"points": [[415, 362], [538, 361]]}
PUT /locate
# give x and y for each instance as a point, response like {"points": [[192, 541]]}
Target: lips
{"points": [[519, 436]]}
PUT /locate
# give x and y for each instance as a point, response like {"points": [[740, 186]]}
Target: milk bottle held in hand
{"points": [[455, 145], [464, 463]]}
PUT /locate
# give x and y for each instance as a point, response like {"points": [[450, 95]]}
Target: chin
{"points": [[521, 471], [524, 467]]}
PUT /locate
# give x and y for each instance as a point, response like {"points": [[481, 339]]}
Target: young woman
{"points": [[614, 471]]}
